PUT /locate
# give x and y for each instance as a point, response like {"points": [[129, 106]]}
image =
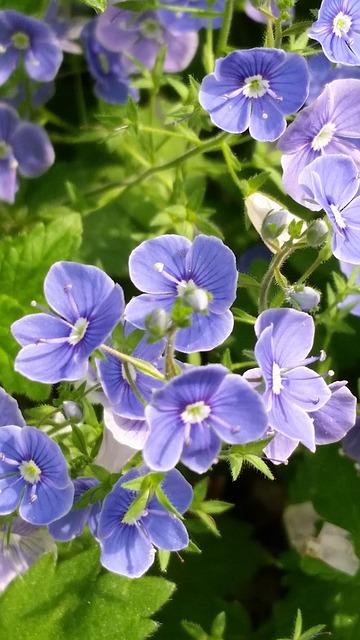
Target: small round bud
{"points": [[157, 322], [71, 409], [274, 224], [316, 233], [303, 298]]}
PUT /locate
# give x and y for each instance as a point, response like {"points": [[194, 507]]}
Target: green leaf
{"points": [[243, 316], [218, 626], [75, 600], [194, 630], [98, 5], [79, 440], [247, 281]]}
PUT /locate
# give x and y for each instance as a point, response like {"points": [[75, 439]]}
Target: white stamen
{"points": [[276, 379], [325, 135], [196, 412], [338, 217], [78, 331], [30, 471], [255, 86], [159, 267], [341, 24]]}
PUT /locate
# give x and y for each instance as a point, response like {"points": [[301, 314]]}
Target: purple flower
{"points": [[24, 148], [353, 299], [57, 347], [27, 39], [351, 442], [332, 183], [141, 36], [109, 69], [67, 29], [292, 391], [322, 72], [203, 273], [21, 545], [180, 21], [338, 30], [72, 524], [327, 126], [33, 476], [331, 423], [118, 380], [254, 90], [128, 548], [194, 412]]}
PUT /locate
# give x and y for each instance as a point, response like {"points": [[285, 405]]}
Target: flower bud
{"points": [[71, 410], [259, 207], [303, 297], [316, 233], [274, 224]]}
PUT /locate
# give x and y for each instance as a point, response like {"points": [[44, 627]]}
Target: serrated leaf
{"points": [[259, 464], [194, 630], [216, 506], [236, 464], [74, 600]]}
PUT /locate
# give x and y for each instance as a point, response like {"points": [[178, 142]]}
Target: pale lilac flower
{"points": [[21, 545], [27, 39], [291, 391], [56, 346], [332, 183], [330, 125], [338, 30], [352, 299], [141, 36], [322, 72], [128, 548], [24, 148], [33, 476], [202, 273], [195, 412], [255, 90], [182, 21], [331, 423]]}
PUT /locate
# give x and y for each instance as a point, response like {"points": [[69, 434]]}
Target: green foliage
{"points": [[75, 599], [24, 263]]}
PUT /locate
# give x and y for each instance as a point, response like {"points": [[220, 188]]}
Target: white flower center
{"points": [[338, 217], [128, 373], [78, 331], [341, 24], [196, 412], [192, 295], [30, 471], [255, 86], [325, 135], [276, 379]]}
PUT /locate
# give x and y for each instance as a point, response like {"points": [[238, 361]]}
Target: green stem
{"points": [[170, 367], [225, 28], [278, 34], [132, 384], [209, 49], [317, 262], [141, 365], [275, 264]]}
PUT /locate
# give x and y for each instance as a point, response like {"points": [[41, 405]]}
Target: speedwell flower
{"points": [[24, 148], [203, 273], [338, 30], [72, 524], [128, 548], [332, 183], [33, 476], [255, 90], [180, 21], [57, 347], [33, 41], [194, 412], [292, 390], [326, 127]]}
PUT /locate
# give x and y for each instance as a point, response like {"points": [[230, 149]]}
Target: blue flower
{"points": [[27, 39], [21, 545], [254, 90], [118, 379], [33, 476], [194, 412], [322, 72], [352, 299], [330, 125], [71, 525], [338, 30], [57, 347], [332, 183], [182, 21], [171, 266], [291, 390], [128, 548], [24, 148], [109, 69], [141, 35]]}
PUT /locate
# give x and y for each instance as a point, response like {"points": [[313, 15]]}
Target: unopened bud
{"points": [[274, 224], [72, 409], [316, 233], [157, 322], [303, 298]]}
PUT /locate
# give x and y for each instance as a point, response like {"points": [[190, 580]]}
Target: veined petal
{"points": [[51, 503], [35, 327], [293, 334], [50, 363], [177, 490], [32, 149], [291, 421], [140, 306], [202, 449], [266, 121], [207, 331], [305, 388], [9, 411], [280, 448], [337, 416], [164, 445], [127, 551], [43, 58], [169, 251], [166, 531], [37, 446], [325, 190]]}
